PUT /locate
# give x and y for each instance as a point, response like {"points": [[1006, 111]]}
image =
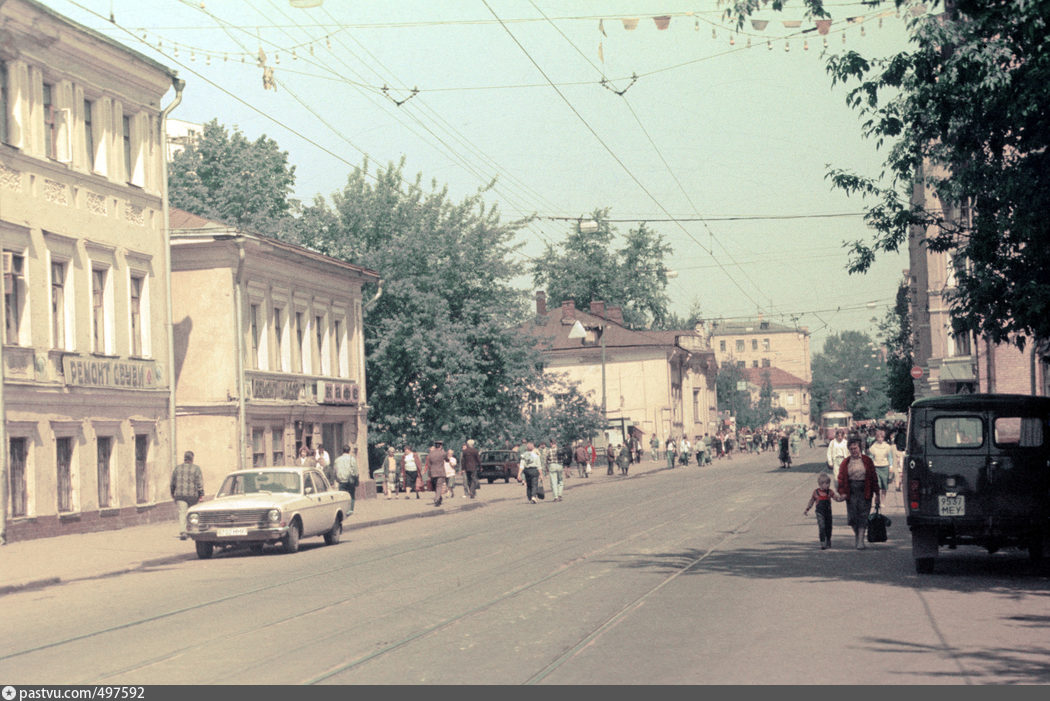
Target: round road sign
{"points": [[916, 372]]}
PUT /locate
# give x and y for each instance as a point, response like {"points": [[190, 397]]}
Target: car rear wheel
{"points": [[924, 565], [204, 550], [1035, 549], [332, 536], [506, 480], [491, 480], [291, 541]]}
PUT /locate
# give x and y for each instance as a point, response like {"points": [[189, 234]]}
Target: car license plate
{"points": [[951, 506], [227, 532]]}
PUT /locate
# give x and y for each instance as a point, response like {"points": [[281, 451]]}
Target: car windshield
{"points": [[249, 482], [497, 456]]}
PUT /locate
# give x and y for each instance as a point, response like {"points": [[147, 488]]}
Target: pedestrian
{"points": [[470, 463], [346, 473], [566, 461], [683, 451], [610, 458], [450, 474], [306, 458], [858, 483], [811, 436], [671, 449], [785, 451], [795, 439], [838, 450], [434, 468], [321, 458], [654, 446], [822, 497], [581, 458], [624, 460], [187, 488], [556, 472], [410, 463], [592, 457], [900, 445], [390, 466], [881, 454], [529, 471]]}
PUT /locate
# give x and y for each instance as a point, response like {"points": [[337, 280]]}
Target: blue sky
{"points": [[723, 148]]}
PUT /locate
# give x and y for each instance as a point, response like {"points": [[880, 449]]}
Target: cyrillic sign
{"points": [[113, 373]]}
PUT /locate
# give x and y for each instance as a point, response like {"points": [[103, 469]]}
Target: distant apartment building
{"points": [[790, 393], [180, 134], [86, 376], [269, 348]]}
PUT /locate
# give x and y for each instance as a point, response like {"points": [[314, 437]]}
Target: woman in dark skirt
{"points": [[859, 483], [785, 451]]}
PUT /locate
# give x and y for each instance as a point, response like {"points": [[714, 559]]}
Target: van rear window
{"points": [[1018, 431], [958, 431]]}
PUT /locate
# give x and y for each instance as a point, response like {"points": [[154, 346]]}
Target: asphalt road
{"points": [[685, 576]]}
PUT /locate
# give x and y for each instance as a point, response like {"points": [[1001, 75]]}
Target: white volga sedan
{"points": [[268, 505]]}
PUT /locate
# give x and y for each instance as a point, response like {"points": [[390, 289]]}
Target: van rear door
{"points": [[957, 460], [1018, 477]]}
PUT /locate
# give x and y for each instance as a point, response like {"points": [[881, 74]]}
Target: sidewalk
{"points": [[44, 562]]}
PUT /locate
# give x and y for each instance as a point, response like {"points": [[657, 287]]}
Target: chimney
{"points": [[598, 309], [568, 311], [615, 314], [541, 303]]}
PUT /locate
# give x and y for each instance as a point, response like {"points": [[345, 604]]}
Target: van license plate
{"points": [[951, 506], [227, 532]]}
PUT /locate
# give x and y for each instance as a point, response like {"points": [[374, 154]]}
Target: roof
{"points": [[751, 326], [777, 377], [981, 401], [553, 326]]}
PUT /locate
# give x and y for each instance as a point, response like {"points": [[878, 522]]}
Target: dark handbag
{"points": [[539, 491], [877, 525]]}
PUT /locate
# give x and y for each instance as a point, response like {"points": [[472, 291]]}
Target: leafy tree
{"points": [[225, 177], [673, 322], [962, 111], [442, 354], [896, 333], [572, 416], [848, 375], [584, 268]]}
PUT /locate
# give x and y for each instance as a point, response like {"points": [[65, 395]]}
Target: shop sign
{"points": [[112, 373], [337, 392], [288, 390]]}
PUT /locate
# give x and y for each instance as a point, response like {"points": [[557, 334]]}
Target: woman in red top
{"points": [[859, 483]]}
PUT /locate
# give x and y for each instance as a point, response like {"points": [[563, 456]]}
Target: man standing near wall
{"points": [[470, 461], [346, 474], [187, 488]]}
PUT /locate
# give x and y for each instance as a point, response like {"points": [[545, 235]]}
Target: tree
{"points": [[571, 417], [896, 333], [584, 268], [962, 111], [242, 183], [847, 375], [442, 353]]}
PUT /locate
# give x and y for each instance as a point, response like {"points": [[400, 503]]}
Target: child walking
{"points": [[822, 497]]}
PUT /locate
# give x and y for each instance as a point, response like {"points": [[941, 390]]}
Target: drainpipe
{"points": [[4, 452], [371, 302], [242, 410], [179, 86]]}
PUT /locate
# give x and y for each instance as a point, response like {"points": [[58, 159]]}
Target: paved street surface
{"points": [[688, 576]]}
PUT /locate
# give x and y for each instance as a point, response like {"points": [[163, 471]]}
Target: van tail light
{"points": [[913, 494]]}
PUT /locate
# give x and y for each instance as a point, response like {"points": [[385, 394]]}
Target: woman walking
{"points": [[858, 483]]}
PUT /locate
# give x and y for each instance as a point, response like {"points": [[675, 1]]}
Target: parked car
{"points": [[976, 473], [499, 464], [268, 505]]}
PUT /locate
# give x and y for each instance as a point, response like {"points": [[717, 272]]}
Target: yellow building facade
{"points": [[86, 383]]}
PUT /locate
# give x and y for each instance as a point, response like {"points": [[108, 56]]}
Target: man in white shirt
{"points": [[838, 450]]}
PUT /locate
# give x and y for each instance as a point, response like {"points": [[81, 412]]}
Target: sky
{"points": [[719, 140]]}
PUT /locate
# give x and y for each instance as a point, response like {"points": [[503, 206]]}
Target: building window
{"points": [[14, 297], [19, 494], [135, 311], [141, 468], [3, 102], [105, 450], [64, 465], [740, 345], [98, 310], [722, 346], [300, 347], [277, 437], [58, 305], [961, 343], [253, 333], [696, 405], [754, 363], [765, 344], [258, 447], [319, 334], [89, 135], [754, 344], [278, 334], [340, 363], [741, 364], [50, 122], [765, 362], [126, 130]]}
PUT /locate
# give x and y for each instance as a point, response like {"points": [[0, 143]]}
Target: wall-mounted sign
{"points": [[112, 373], [337, 392], [269, 388]]}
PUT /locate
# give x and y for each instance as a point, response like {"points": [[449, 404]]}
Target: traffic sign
{"points": [[916, 372]]}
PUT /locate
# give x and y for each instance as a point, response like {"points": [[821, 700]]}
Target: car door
{"points": [[318, 502], [957, 460], [1017, 467]]}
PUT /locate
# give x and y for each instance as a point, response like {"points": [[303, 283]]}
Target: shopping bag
{"points": [[539, 491], [877, 525]]}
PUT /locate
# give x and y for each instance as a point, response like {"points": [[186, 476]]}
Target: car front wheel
{"points": [[332, 536], [291, 541], [204, 550]]}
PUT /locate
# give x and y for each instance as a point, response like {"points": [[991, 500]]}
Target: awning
{"points": [[957, 370]]}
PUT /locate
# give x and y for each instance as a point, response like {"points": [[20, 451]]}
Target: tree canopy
{"points": [[849, 374], [225, 177], [586, 268], [963, 112]]}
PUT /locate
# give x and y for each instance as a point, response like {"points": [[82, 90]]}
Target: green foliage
{"points": [[242, 183], [896, 334], [755, 415], [573, 416], [442, 353], [584, 268], [848, 374]]}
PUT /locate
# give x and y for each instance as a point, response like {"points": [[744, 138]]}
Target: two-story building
{"points": [[660, 382], [269, 348], [758, 343], [86, 394]]}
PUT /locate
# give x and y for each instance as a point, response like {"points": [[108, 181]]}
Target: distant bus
{"points": [[831, 421]]}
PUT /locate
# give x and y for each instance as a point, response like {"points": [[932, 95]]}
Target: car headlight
{"points": [[274, 515], [194, 519]]}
